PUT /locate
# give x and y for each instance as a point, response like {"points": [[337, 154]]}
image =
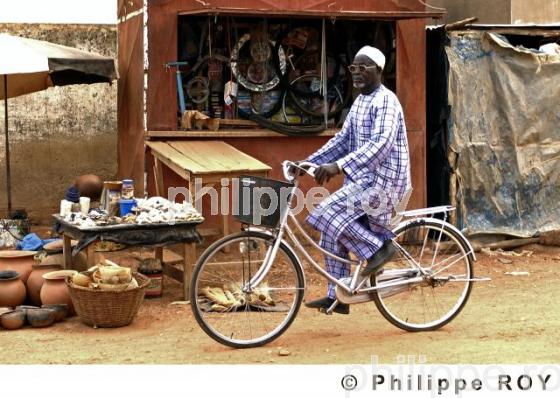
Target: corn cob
{"points": [[217, 296]]}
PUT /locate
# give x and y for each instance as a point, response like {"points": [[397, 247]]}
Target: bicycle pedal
{"points": [[325, 311]]}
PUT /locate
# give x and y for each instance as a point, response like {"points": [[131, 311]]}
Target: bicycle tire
{"points": [[382, 303], [197, 284], [338, 63], [344, 99], [278, 58]]}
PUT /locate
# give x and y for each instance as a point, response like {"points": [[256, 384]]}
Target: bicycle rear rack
{"points": [[428, 211]]}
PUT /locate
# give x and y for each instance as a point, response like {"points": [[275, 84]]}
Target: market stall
{"points": [[271, 77], [154, 222]]}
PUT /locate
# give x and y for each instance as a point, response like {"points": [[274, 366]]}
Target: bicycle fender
{"points": [[426, 220]]}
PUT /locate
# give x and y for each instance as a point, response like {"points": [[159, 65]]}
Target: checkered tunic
{"points": [[372, 150]]}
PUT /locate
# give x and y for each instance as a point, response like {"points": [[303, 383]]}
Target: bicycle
{"points": [[247, 287]]}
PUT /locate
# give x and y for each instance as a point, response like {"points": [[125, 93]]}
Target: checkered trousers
{"points": [[372, 150]]}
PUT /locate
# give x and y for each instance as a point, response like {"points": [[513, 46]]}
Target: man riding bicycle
{"points": [[371, 150]]}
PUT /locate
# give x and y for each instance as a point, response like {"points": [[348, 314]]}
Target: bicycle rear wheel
{"points": [[433, 300], [238, 318]]}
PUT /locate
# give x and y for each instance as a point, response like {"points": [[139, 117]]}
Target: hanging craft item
{"points": [[260, 74]]}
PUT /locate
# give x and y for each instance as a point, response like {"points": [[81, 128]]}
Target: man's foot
{"points": [[325, 303], [384, 254]]}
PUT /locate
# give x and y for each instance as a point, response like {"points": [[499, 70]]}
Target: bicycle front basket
{"points": [[261, 201]]}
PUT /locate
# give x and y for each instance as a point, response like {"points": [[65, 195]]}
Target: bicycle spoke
{"points": [[266, 310], [440, 257], [461, 256]]}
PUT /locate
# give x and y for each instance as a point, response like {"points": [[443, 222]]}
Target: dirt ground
{"points": [[511, 319]]}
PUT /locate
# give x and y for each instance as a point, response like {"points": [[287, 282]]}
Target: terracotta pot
{"points": [[18, 260], [57, 246], [55, 291], [35, 280], [79, 262], [12, 289], [13, 320], [54, 247]]}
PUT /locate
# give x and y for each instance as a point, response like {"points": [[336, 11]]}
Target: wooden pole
{"points": [[506, 244], [8, 172]]}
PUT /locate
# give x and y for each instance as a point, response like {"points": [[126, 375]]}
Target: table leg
{"points": [[90, 255], [158, 254], [189, 259], [67, 251]]}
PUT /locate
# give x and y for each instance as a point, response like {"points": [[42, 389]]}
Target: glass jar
{"points": [[127, 189]]}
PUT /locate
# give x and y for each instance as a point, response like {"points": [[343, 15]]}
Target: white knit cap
{"points": [[374, 54]]}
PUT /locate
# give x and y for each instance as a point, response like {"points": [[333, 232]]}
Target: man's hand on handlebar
{"points": [[325, 172], [293, 170]]}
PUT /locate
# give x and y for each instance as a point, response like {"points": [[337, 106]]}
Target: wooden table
{"points": [[156, 235], [209, 161]]}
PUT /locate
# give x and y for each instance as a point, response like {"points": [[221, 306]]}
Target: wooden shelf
{"points": [[229, 133]]}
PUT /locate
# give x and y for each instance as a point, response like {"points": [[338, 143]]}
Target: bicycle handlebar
{"points": [[287, 164]]}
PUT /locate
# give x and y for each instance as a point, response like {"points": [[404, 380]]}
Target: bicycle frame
{"points": [[394, 279]]}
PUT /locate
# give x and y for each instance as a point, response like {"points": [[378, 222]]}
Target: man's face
{"points": [[367, 79]]}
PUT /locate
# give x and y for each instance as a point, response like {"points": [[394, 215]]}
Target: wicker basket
{"points": [[106, 308]]}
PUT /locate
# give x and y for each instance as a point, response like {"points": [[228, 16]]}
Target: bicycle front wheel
{"points": [[424, 302], [221, 303]]}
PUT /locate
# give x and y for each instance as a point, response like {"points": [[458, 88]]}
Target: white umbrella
{"points": [[29, 65]]}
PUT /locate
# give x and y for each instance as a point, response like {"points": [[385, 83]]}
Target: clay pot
{"points": [[55, 291], [41, 317], [12, 320], [57, 246], [54, 247], [35, 280], [79, 262], [18, 260], [61, 311], [12, 289]]}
